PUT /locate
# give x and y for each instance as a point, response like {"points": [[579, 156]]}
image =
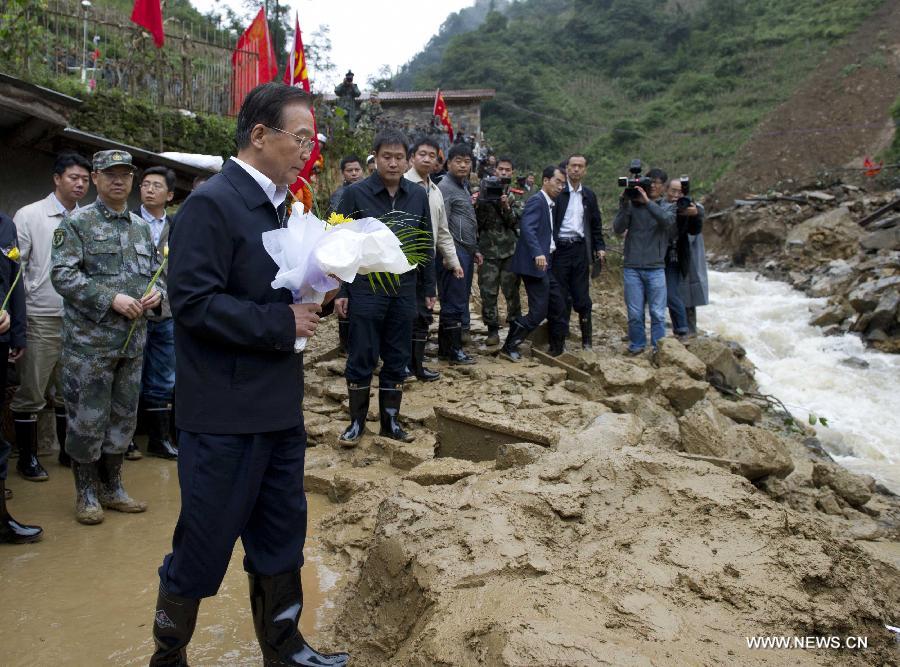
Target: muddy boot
{"points": [[87, 506], [493, 337], [159, 424], [443, 343], [276, 603], [11, 531], [389, 398], [112, 494], [514, 338], [173, 627], [587, 332], [64, 459], [557, 345], [465, 336], [418, 362], [343, 335], [133, 453], [359, 408], [457, 355], [28, 465]]}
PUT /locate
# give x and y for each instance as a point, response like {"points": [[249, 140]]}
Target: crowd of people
{"points": [[102, 324]]}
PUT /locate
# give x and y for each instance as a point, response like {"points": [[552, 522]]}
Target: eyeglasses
{"points": [[155, 187], [303, 143]]}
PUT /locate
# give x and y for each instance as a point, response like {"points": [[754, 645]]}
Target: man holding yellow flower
{"points": [[102, 262]]}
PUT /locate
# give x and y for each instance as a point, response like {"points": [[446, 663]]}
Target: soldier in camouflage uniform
{"points": [[498, 224], [370, 112], [103, 259]]}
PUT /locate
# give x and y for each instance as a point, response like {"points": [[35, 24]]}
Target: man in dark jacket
{"points": [[688, 223], [240, 390], [381, 318], [532, 262], [578, 234]]}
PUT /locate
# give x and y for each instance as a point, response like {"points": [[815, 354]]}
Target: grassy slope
{"points": [[681, 88]]}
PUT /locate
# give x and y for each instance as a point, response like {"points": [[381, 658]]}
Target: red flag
{"points": [[253, 59], [440, 109], [296, 75], [148, 14]]}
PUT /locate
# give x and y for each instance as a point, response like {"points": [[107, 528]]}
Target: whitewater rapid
{"points": [[836, 377]]}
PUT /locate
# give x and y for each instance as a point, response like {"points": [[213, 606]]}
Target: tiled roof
{"points": [[413, 95]]}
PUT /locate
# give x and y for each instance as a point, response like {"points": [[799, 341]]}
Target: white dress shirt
{"points": [[274, 193], [550, 205], [156, 224], [572, 226]]}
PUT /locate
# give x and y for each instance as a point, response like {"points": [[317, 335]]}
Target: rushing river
{"points": [[856, 390]]}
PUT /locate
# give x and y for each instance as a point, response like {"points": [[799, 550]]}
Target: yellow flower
{"points": [[166, 250], [338, 219], [13, 254]]}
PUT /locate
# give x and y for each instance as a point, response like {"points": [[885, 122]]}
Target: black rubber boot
{"points": [[343, 334], [517, 334], [493, 337], [443, 343], [418, 362], [11, 531], [87, 504], [587, 332], [159, 425], [64, 459], [28, 465], [557, 345], [359, 408], [112, 493], [276, 603], [390, 396], [456, 354], [173, 627]]}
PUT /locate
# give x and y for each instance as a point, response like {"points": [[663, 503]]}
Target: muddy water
{"points": [[85, 595]]}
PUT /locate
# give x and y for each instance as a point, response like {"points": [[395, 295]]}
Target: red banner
{"points": [[253, 60], [296, 75], [148, 14], [440, 109]]}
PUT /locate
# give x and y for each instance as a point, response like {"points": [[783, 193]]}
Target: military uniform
{"points": [[369, 113], [497, 236]]}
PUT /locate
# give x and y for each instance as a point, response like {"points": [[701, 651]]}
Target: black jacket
{"points": [[680, 247], [369, 198], [593, 226], [15, 337], [236, 371]]}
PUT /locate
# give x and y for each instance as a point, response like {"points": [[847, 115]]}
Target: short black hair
{"points": [[657, 174], [350, 159], [549, 171], [460, 150], [390, 137], [70, 159], [423, 140], [571, 155], [264, 105], [506, 158], [165, 172]]}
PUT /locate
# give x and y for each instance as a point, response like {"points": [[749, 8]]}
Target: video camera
{"points": [[634, 181], [684, 201], [493, 188]]}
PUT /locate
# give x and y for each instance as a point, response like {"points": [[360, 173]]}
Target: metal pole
{"points": [[86, 5]]}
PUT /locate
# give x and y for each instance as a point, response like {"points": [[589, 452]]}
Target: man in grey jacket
{"points": [[454, 292], [647, 225]]}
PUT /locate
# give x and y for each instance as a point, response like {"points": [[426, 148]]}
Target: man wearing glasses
{"points": [[102, 260], [158, 379]]}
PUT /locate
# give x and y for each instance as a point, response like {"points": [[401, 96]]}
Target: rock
{"points": [[867, 295], [346, 483], [704, 430], [827, 502], [608, 431], [336, 389], [829, 235], [681, 390], [885, 312], [407, 455], [854, 362], [882, 239], [443, 470], [673, 353], [818, 195], [722, 365], [743, 412], [416, 412], [558, 395], [618, 375], [855, 489], [834, 314], [518, 454]]}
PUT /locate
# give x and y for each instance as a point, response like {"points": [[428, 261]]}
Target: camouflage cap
{"points": [[106, 159]]}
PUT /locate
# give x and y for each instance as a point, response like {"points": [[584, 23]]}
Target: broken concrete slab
{"points": [[476, 437]]}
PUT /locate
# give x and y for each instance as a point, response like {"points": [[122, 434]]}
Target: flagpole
{"points": [[437, 95]]}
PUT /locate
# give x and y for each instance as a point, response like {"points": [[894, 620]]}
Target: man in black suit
{"points": [[240, 390], [532, 262], [578, 234]]}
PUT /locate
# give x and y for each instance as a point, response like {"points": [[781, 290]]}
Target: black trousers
{"points": [[248, 486], [423, 316], [380, 325], [572, 271], [5, 447], [545, 301]]}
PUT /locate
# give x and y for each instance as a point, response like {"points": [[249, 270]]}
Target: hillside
{"points": [[682, 84]]}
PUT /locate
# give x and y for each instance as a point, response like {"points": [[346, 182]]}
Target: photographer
{"points": [[498, 212], [688, 222], [648, 225]]}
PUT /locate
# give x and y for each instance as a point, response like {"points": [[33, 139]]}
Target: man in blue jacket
{"points": [[532, 262], [239, 384]]}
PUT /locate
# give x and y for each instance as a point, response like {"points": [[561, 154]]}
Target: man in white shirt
{"points": [[39, 366]]}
